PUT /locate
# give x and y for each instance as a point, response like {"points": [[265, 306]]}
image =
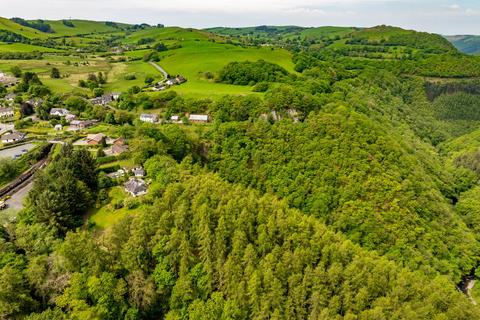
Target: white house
{"points": [[59, 112], [174, 118], [6, 112], [13, 137], [58, 127], [146, 117], [198, 118]]}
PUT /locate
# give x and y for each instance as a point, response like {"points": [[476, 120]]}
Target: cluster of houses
{"points": [[75, 124], [165, 84], [135, 185], [105, 99], [193, 118]]}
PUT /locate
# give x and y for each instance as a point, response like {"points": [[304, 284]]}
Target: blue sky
{"points": [[445, 17]]}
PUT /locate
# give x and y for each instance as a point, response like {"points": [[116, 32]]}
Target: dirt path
{"points": [[162, 71]]}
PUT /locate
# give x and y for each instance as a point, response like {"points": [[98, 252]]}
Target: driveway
{"points": [[11, 152], [162, 71]]}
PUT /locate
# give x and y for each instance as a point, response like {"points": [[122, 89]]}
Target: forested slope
{"points": [[209, 250]]}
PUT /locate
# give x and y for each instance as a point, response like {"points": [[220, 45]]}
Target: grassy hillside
{"points": [[8, 25], [197, 57], [80, 27]]}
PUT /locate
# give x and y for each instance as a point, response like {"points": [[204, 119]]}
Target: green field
{"points": [[80, 27], [8, 25], [22, 47], [108, 215], [197, 57]]}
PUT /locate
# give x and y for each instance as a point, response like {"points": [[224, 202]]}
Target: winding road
{"points": [[162, 71]]}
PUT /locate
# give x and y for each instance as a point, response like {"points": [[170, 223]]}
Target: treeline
{"points": [[436, 89], [37, 24]]}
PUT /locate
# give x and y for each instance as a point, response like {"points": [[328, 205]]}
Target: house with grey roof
{"points": [[136, 187]]}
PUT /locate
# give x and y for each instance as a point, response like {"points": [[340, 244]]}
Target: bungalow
{"points": [[81, 124], [198, 118], [6, 112], [116, 150], [13, 137], [146, 117], [138, 172], [136, 187], [95, 139], [174, 118], [59, 112]]}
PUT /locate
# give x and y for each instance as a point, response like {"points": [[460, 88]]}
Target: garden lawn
{"points": [[108, 215]]}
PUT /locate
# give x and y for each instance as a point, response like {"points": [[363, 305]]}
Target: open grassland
{"points": [[197, 57], [22, 47], [80, 27], [141, 70], [169, 33]]}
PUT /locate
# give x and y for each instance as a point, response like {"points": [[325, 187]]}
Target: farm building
{"points": [[198, 118]]}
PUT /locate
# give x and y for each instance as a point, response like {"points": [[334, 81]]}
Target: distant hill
{"points": [[466, 43]]}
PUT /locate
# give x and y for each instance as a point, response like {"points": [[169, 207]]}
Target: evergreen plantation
{"points": [[337, 179]]}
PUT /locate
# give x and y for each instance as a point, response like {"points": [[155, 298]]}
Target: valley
{"points": [[269, 172]]}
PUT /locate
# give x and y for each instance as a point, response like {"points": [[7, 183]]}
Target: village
{"points": [[26, 120]]}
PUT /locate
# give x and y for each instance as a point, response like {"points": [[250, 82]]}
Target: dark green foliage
{"points": [[160, 47], [55, 73], [459, 106], [38, 24], [62, 194], [250, 73], [145, 41], [10, 37], [243, 261], [68, 23], [16, 71]]}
